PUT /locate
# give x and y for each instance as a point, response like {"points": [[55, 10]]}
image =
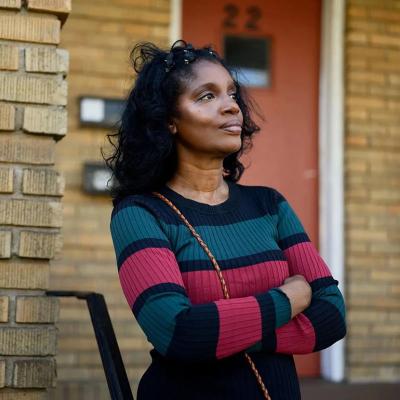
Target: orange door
{"points": [[285, 152]]}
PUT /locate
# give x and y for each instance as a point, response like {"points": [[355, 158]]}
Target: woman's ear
{"points": [[172, 127]]}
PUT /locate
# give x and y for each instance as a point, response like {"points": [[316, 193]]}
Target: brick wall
{"points": [[33, 96], [99, 35], [373, 189]]}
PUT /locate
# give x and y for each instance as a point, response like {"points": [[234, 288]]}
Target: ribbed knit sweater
{"points": [[176, 297]]}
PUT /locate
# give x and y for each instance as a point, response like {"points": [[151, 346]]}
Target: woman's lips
{"points": [[232, 129]]}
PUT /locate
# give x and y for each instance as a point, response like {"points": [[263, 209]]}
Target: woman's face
{"points": [[209, 119]]}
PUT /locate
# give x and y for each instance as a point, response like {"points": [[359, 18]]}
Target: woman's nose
{"points": [[230, 106]]}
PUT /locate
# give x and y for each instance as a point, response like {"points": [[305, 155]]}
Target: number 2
{"points": [[254, 15], [232, 13]]}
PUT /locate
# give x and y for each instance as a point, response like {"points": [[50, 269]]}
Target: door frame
{"points": [[331, 152], [331, 164]]}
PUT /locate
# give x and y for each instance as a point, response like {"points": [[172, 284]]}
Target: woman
{"points": [[184, 127]]}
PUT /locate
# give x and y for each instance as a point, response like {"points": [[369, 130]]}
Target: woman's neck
{"points": [[207, 187]]}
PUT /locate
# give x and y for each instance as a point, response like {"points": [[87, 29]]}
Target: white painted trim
{"points": [[175, 28], [331, 132], [331, 160]]}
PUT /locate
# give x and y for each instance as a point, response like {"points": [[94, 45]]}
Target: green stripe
{"points": [[157, 318], [289, 223], [255, 348], [132, 224], [283, 308], [228, 241], [332, 295]]}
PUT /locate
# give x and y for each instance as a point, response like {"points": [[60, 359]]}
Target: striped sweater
{"points": [[176, 297]]}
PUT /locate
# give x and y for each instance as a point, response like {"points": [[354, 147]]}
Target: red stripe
{"points": [[296, 337], [304, 259], [240, 325], [146, 268], [205, 286], [202, 286]]}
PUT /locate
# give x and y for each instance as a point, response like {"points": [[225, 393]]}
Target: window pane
{"points": [[249, 58], [101, 112]]}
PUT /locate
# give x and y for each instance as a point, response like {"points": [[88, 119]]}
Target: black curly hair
{"points": [[143, 149]]}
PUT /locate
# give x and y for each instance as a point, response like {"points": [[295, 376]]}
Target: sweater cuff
{"points": [[283, 308], [275, 310]]}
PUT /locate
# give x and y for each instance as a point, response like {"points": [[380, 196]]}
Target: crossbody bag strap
{"points": [[222, 280]]}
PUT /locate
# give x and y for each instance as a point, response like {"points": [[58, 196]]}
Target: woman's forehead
{"points": [[209, 72]]}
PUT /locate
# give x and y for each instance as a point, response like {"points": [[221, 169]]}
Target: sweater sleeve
{"points": [[322, 323], [152, 283]]}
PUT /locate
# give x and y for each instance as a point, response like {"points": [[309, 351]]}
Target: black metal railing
{"points": [[114, 368]]}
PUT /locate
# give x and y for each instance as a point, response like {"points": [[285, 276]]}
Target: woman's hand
{"points": [[299, 292]]}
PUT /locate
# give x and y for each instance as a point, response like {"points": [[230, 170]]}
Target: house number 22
{"points": [[232, 13]]}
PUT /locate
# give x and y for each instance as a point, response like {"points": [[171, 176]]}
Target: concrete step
{"points": [[319, 389]]}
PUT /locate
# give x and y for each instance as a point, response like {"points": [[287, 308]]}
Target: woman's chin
{"points": [[232, 146], [236, 140]]}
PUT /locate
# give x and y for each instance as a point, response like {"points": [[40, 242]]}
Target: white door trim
{"points": [[175, 28], [331, 181], [331, 132]]}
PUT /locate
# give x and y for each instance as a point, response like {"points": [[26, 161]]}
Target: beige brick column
{"points": [[373, 190], [33, 97]]}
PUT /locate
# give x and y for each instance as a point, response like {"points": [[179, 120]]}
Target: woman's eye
{"points": [[207, 96]]}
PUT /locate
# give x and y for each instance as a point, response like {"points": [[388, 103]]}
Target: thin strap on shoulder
{"points": [[222, 280]]}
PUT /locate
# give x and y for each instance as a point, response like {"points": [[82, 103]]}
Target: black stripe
{"points": [[128, 201], [160, 288], [139, 245], [261, 206], [269, 342], [196, 334], [323, 283], [239, 262], [327, 321], [293, 239], [267, 310], [279, 196]]}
